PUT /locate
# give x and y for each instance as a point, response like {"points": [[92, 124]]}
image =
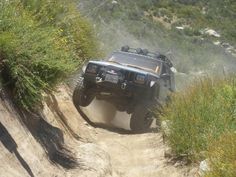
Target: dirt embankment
{"points": [[58, 142]]}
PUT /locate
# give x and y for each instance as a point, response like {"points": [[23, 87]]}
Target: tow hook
{"points": [[123, 86]]}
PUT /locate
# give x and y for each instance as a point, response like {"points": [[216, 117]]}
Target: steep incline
{"points": [[98, 152], [26, 152]]}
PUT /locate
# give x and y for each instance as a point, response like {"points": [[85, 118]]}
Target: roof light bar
{"points": [[140, 51]]}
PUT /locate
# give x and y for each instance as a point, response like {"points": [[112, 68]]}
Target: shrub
{"points": [[37, 53], [64, 15], [222, 156], [201, 114]]}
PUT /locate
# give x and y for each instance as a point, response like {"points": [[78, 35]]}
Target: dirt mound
{"points": [[54, 143]]}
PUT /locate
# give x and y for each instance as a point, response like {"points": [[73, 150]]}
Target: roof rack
{"points": [[145, 52]]}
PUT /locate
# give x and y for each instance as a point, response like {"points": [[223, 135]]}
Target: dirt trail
{"points": [[138, 155], [100, 152], [132, 155]]}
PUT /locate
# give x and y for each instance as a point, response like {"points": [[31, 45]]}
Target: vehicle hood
{"points": [[124, 67]]}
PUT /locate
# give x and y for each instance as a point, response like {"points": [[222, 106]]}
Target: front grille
{"points": [[123, 74], [130, 76]]}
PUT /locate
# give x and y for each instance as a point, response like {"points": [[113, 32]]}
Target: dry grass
{"points": [[199, 118], [222, 156]]}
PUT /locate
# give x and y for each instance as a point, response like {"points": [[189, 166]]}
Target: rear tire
{"points": [[141, 118], [81, 96]]}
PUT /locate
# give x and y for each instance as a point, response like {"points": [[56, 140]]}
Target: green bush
{"points": [[36, 51], [64, 15], [200, 115], [192, 12], [222, 156]]}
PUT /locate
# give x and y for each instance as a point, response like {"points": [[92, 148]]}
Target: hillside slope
{"points": [[152, 24], [24, 152]]}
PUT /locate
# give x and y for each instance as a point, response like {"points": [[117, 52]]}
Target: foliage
{"points": [[200, 116], [38, 51], [152, 24], [64, 16], [222, 156], [200, 14]]}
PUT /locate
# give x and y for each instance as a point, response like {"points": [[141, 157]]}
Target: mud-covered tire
{"points": [[81, 96], [141, 118]]}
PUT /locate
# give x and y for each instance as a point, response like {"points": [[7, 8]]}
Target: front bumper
{"points": [[121, 88]]}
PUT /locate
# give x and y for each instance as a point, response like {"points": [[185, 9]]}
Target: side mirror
{"points": [[165, 76]]}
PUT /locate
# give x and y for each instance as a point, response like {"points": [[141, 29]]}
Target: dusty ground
{"points": [[132, 155], [99, 152], [138, 155]]}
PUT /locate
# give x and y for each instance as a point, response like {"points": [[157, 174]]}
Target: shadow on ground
{"points": [[10, 144], [51, 138], [111, 128]]}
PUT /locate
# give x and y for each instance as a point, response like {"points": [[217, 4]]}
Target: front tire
{"points": [[141, 118], [81, 96]]}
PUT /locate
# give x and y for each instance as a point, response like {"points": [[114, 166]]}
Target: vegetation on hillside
{"points": [[139, 24], [199, 14], [222, 155], [203, 124], [196, 14], [41, 42]]}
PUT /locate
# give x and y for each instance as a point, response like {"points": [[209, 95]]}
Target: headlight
{"points": [[92, 68], [140, 79]]}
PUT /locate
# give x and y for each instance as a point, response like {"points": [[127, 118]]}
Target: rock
{"points": [[165, 126], [204, 10], [216, 43], [174, 70], [114, 2], [230, 48], [211, 32], [203, 168], [234, 54], [179, 27], [225, 45]]}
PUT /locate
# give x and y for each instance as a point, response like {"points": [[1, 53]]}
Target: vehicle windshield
{"points": [[136, 61]]}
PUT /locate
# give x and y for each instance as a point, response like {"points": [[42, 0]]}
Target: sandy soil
{"points": [[100, 152], [138, 155], [132, 155]]}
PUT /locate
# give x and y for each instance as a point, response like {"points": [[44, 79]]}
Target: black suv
{"points": [[133, 80]]}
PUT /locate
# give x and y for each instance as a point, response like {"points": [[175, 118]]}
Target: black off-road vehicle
{"points": [[133, 80]]}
